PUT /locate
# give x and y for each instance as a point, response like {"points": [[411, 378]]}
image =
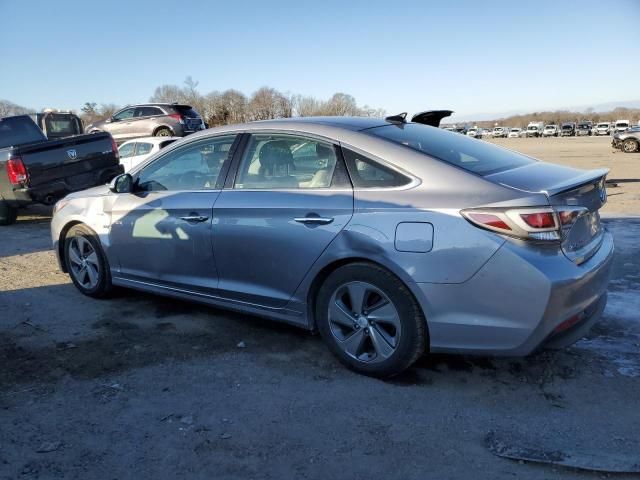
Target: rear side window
{"points": [[143, 148], [148, 111], [367, 173], [481, 158]]}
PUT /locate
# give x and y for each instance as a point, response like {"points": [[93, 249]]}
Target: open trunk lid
{"points": [[570, 191]]}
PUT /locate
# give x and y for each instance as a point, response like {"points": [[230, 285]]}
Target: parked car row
{"points": [[539, 129]]}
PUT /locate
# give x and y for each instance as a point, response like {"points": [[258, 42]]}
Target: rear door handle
{"points": [[314, 220], [195, 218]]}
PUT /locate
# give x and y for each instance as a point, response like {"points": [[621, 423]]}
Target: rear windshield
{"points": [[482, 158], [622, 124], [167, 142], [187, 111], [603, 125], [19, 131], [567, 127], [532, 127], [515, 129], [61, 125]]}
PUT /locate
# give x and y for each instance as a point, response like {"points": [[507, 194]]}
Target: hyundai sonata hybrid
{"points": [[390, 238]]}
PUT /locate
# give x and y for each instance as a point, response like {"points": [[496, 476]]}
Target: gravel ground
{"points": [[142, 386]]}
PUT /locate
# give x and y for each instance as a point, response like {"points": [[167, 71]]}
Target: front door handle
{"points": [[314, 220], [195, 218]]}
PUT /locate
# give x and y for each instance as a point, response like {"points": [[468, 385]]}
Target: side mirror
{"points": [[123, 183], [109, 120]]}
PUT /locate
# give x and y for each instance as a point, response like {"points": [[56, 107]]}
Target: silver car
{"points": [[150, 120], [390, 238]]}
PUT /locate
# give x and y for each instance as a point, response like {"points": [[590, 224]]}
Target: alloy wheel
{"points": [[630, 146], [364, 321], [84, 262]]}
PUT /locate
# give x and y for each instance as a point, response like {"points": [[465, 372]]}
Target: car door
{"points": [[161, 233], [120, 126], [145, 121], [142, 152], [284, 203], [126, 153]]}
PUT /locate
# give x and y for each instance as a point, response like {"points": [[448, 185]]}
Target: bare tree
{"points": [[268, 103], [8, 108]]}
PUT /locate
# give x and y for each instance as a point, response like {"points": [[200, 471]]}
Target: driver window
{"points": [[124, 114], [191, 167]]}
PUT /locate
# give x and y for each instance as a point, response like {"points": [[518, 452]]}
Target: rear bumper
{"points": [[515, 302], [51, 192]]}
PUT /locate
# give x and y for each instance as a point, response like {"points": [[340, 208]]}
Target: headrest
{"points": [[275, 153]]}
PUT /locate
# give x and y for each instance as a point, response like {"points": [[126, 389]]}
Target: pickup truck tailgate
{"points": [[73, 160]]}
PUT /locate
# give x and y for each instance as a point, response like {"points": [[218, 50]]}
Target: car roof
{"points": [[350, 123], [154, 140]]}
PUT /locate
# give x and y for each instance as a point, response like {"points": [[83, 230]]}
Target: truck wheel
{"points": [[8, 214], [630, 145], [162, 132]]}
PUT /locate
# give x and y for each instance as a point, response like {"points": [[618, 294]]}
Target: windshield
{"points": [[622, 124], [481, 158], [550, 127], [567, 127], [531, 127], [603, 125], [515, 129], [583, 125], [19, 131]]}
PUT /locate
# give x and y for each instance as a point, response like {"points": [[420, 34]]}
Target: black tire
{"points": [[630, 146], [162, 132], [413, 335], [103, 286], [8, 214]]}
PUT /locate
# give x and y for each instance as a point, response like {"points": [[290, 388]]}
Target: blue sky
{"points": [[470, 56]]}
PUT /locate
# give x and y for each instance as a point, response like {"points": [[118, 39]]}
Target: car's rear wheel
{"points": [[630, 145], [8, 214], [86, 262], [162, 132], [370, 320]]}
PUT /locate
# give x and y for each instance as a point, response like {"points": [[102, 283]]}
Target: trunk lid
{"points": [[567, 189]]}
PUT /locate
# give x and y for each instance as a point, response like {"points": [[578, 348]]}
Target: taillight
{"points": [[114, 148], [177, 116], [16, 171], [539, 219], [535, 223], [488, 220]]}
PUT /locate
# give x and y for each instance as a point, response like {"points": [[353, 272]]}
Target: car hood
{"points": [[90, 192], [549, 178]]}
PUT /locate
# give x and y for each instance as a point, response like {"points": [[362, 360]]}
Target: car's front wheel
{"points": [[630, 145], [86, 262], [370, 320]]}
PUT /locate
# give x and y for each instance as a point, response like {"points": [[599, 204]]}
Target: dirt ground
{"points": [[589, 152], [141, 386]]}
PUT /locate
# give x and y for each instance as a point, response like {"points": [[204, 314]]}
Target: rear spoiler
{"points": [[590, 176], [430, 117]]}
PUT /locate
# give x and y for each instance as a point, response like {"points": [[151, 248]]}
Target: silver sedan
{"points": [[391, 238]]}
